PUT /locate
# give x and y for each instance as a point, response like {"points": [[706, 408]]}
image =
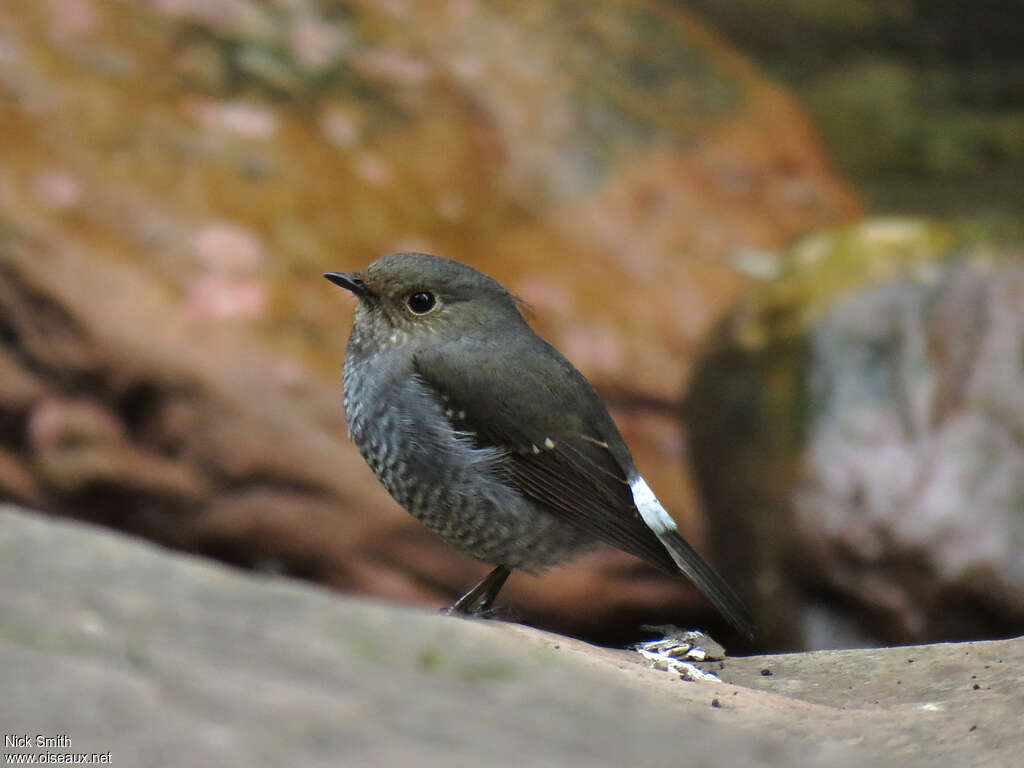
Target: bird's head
{"points": [[407, 296]]}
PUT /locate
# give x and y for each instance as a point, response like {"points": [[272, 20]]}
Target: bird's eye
{"points": [[421, 302]]}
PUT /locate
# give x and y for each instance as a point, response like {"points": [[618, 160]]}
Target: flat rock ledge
{"points": [[114, 647]]}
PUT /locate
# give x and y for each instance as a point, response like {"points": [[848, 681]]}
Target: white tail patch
{"points": [[657, 519]]}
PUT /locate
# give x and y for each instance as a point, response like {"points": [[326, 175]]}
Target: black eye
{"points": [[421, 302]]}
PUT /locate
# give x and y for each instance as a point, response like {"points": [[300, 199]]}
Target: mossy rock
{"points": [[893, 340]]}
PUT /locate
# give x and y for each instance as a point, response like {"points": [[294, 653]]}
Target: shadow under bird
{"points": [[488, 435]]}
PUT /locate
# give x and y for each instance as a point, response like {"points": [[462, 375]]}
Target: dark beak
{"points": [[350, 281]]}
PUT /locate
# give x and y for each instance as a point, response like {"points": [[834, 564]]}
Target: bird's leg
{"points": [[479, 599]]}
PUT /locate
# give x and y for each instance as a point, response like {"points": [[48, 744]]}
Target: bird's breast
{"points": [[439, 474]]}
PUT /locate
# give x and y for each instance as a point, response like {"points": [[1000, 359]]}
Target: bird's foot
{"points": [[492, 613], [479, 601]]}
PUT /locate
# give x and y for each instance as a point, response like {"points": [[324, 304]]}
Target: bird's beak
{"points": [[350, 281]]}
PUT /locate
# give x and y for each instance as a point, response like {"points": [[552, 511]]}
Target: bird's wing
{"points": [[532, 410], [563, 450]]}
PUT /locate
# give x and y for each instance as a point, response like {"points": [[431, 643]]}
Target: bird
{"points": [[487, 434]]}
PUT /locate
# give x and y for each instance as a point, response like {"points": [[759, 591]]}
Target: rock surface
{"points": [[163, 659]]}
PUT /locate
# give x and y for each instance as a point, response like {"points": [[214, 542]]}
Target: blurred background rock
{"points": [[856, 426], [921, 103], [176, 174]]}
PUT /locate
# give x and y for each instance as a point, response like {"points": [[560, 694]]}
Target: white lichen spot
{"points": [[679, 650]]}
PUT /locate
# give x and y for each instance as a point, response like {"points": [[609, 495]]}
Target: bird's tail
{"points": [[707, 580], [704, 577]]}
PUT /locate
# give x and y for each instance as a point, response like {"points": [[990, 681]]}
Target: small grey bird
{"points": [[488, 435]]}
